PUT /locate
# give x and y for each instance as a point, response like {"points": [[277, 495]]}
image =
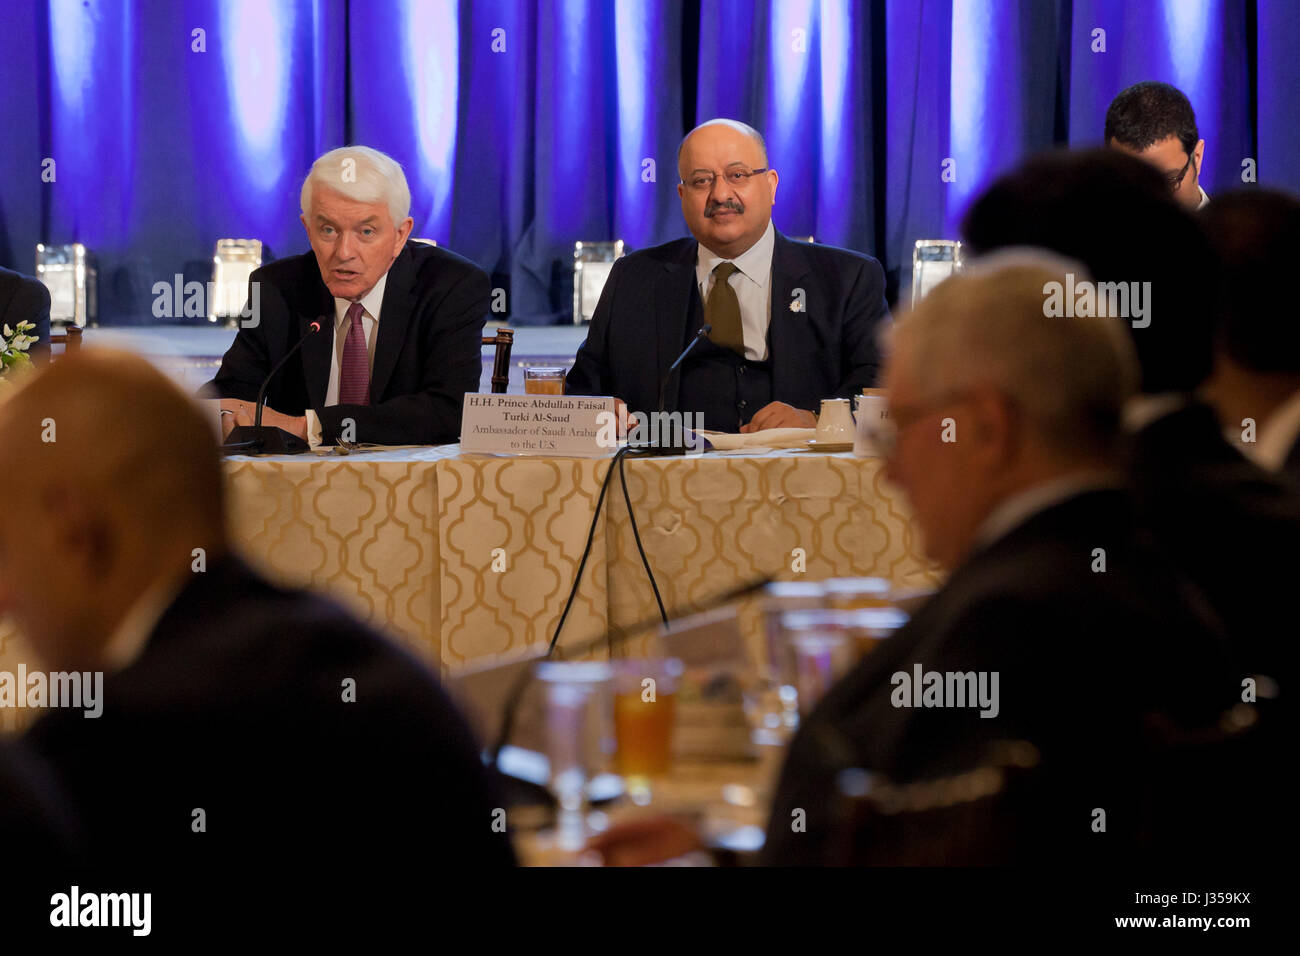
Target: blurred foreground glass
{"points": [[771, 700], [543, 381], [845, 594], [868, 626], [645, 704], [573, 690], [821, 651]]}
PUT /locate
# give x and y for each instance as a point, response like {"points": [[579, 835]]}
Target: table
{"points": [[469, 559]]}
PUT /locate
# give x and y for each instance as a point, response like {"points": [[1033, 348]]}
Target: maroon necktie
{"points": [[354, 371]]}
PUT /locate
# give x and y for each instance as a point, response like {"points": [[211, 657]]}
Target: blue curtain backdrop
{"points": [[148, 129]]}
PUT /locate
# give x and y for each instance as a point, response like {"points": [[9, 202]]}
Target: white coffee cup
{"points": [[872, 408], [835, 423]]}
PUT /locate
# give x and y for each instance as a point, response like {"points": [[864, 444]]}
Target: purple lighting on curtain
{"points": [[1195, 30], [836, 33], [969, 79], [635, 43], [432, 60], [792, 128], [257, 75], [91, 47]]}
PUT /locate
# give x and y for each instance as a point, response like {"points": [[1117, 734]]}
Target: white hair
{"points": [[361, 174], [989, 325]]}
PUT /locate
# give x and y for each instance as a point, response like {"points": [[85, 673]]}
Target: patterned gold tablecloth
{"points": [[465, 558]]}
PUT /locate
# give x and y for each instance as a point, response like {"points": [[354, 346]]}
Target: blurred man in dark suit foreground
{"points": [[37, 825], [1256, 381], [247, 730], [24, 299], [792, 322], [1231, 526], [1006, 438]]}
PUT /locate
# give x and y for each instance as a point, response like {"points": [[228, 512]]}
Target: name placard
{"points": [[562, 425]]}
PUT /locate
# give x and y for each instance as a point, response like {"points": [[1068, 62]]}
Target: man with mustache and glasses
{"points": [[792, 322]]}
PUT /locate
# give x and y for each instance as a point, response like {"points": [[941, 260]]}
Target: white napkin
{"points": [[769, 438]]}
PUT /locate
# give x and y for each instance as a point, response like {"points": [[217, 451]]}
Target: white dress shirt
{"points": [[1205, 199], [1141, 410], [1014, 511], [1274, 437], [752, 282], [371, 303]]}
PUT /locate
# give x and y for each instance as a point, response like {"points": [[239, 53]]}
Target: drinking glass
{"points": [[573, 690], [645, 703], [821, 651], [846, 594], [771, 700], [543, 381], [868, 626]]}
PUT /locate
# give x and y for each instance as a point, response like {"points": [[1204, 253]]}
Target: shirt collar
{"points": [[1142, 410], [1205, 198], [372, 302], [1276, 435], [1015, 510], [135, 629], [755, 263]]}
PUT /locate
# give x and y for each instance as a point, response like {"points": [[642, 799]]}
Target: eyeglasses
{"points": [[1176, 179], [735, 176]]}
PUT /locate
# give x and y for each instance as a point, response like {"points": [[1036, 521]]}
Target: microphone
{"points": [[268, 439], [675, 442], [703, 333]]}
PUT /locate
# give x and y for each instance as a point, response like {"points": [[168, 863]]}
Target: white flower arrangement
{"points": [[13, 354]]}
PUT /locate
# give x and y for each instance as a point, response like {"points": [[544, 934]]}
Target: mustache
{"points": [[734, 205]]}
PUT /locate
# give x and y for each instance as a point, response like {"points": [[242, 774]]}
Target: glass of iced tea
{"points": [[543, 381], [645, 696]]}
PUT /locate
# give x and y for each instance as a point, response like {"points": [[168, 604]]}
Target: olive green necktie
{"points": [[722, 311]]}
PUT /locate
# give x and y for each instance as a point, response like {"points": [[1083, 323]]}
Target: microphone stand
{"points": [[267, 439], [675, 442]]}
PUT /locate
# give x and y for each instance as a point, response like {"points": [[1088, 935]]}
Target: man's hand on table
{"points": [[779, 415], [244, 413], [644, 841], [621, 415]]}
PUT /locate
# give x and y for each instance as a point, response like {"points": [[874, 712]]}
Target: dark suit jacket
{"points": [[36, 820], [429, 352], [1081, 655], [1291, 467], [24, 299], [236, 706], [641, 325], [1231, 526]]}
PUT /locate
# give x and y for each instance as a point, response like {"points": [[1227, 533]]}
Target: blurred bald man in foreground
{"points": [[792, 322], [246, 728]]}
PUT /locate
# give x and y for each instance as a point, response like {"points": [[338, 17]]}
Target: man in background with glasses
{"points": [[790, 322], [1155, 122]]}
